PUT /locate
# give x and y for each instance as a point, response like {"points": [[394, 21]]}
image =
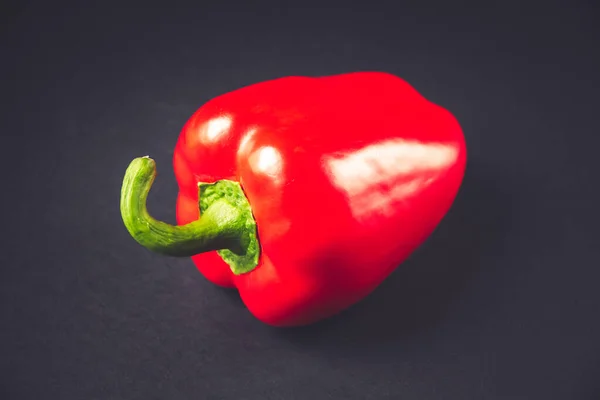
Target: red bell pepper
{"points": [[304, 193]]}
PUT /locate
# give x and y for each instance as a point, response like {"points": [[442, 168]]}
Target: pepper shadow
{"points": [[416, 296]]}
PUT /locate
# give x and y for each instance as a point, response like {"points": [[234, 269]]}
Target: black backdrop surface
{"points": [[502, 302]]}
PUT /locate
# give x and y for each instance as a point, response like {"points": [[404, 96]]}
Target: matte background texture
{"points": [[502, 302]]}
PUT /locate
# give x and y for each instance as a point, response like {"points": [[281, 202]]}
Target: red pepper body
{"points": [[346, 176]]}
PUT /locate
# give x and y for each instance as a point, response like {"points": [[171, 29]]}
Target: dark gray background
{"points": [[501, 303]]}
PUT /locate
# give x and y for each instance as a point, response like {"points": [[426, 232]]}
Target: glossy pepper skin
{"points": [[346, 176]]}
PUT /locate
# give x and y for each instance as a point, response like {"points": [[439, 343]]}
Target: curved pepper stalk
{"points": [[226, 225]]}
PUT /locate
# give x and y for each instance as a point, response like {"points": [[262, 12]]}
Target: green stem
{"points": [[219, 227]]}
